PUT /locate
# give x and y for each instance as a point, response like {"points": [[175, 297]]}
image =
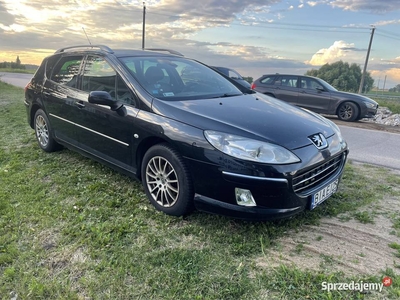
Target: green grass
{"points": [[71, 228], [382, 93], [9, 70]]}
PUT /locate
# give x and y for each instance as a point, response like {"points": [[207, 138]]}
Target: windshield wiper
{"points": [[226, 95]]}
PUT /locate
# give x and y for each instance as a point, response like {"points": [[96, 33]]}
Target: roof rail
{"points": [[101, 47], [165, 50]]}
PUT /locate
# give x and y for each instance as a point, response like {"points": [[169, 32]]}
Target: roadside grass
{"points": [[382, 93], [10, 70], [71, 228], [392, 104]]}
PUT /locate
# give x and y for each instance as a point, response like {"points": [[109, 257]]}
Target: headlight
{"points": [[369, 104], [248, 149]]}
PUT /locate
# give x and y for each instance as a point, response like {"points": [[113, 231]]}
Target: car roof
{"points": [[279, 74], [120, 52]]}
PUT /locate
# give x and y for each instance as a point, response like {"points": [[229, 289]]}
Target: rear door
{"points": [[313, 95], [285, 87], [61, 95]]}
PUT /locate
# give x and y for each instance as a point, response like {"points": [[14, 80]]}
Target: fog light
{"points": [[244, 197]]}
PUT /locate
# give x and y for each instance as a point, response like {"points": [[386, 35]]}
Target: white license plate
{"points": [[324, 194]]}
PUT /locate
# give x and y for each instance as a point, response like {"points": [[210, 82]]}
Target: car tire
{"points": [[166, 181], [348, 111], [44, 133]]}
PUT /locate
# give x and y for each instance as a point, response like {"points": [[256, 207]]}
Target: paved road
{"points": [[369, 146], [16, 79], [373, 146]]}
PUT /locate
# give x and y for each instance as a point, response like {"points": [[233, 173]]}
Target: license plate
{"points": [[324, 194]]}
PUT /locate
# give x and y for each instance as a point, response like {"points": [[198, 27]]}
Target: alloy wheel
{"points": [[346, 112], [42, 131], [162, 181]]}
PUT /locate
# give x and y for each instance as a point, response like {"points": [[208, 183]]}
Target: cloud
{"points": [[386, 22], [26, 25], [340, 50], [312, 3], [380, 7], [117, 22]]}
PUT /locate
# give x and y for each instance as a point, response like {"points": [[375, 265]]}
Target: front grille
{"points": [[308, 180]]}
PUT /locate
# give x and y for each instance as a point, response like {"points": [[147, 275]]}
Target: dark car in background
{"points": [[187, 132], [231, 73], [316, 95]]}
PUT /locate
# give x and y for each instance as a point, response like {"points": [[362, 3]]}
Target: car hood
{"points": [[348, 96], [254, 116]]}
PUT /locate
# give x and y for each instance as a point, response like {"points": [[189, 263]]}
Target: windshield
{"points": [[176, 78]]}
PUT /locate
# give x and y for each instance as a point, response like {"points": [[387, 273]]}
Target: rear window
{"points": [[176, 78]]}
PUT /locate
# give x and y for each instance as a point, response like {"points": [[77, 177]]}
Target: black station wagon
{"points": [[192, 137]]}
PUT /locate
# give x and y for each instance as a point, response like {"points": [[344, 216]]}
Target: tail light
{"points": [[253, 86], [27, 86]]}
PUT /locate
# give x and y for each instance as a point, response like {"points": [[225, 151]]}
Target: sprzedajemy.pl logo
{"points": [[357, 286]]}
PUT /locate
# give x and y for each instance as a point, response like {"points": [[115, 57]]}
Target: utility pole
{"points": [[144, 23], [377, 89], [384, 83], [360, 90]]}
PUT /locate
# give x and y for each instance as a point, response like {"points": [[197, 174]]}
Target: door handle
{"points": [[80, 104]]}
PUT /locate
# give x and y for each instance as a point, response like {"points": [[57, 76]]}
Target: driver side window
{"points": [[313, 84], [98, 75]]}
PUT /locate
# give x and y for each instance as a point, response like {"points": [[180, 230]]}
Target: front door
{"points": [[313, 96], [105, 133]]}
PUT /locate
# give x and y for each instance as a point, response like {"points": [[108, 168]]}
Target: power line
{"points": [[389, 33], [386, 36]]}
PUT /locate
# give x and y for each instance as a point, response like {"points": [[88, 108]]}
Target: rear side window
{"points": [[289, 81], [268, 80], [66, 70]]}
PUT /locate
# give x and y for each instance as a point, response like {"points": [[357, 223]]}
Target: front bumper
{"points": [[368, 112], [276, 190]]}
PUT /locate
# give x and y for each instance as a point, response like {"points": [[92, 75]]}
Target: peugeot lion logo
{"points": [[318, 140]]}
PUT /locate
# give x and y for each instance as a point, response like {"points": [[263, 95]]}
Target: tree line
{"points": [[343, 76], [395, 89], [13, 65]]}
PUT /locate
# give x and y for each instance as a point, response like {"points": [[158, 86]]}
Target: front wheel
{"points": [[166, 181], [348, 112], [43, 132]]}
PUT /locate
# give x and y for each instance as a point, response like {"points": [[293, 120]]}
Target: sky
{"points": [[254, 37]]}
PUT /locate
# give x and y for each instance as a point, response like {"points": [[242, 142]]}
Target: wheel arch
{"points": [[35, 107], [270, 94], [141, 150]]}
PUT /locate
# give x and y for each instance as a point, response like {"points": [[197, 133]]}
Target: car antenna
{"points": [[86, 36]]}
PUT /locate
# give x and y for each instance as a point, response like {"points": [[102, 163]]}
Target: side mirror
{"points": [[320, 90], [103, 98]]}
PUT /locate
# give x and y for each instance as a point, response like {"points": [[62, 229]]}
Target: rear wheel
{"points": [[44, 133], [348, 111], [166, 181]]}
